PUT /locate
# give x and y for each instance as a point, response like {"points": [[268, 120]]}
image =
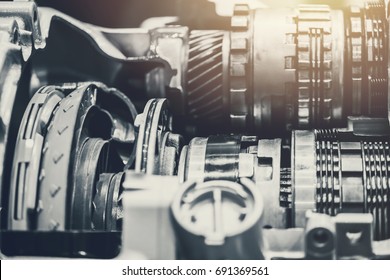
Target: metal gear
{"points": [[240, 70], [206, 67]]}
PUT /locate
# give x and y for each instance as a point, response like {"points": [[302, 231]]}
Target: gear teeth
{"points": [[240, 76], [205, 75], [285, 188]]}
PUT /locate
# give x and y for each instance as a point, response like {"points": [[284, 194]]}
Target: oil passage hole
{"points": [[321, 238]]}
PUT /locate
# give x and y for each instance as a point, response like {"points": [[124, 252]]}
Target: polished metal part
{"points": [[266, 137]]}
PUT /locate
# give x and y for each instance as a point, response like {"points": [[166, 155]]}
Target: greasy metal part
{"points": [[236, 210]]}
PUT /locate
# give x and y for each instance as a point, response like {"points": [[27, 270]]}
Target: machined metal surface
{"points": [[262, 135]]}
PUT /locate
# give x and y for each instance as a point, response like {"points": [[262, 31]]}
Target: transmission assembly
{"points": [[263, 134]]}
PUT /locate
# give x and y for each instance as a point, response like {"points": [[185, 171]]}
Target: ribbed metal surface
{"points": [[378, 4], [377, 57], [376, 164], [352, 176], [205, 75], [285, 188], [314, 64], [328, 173]]}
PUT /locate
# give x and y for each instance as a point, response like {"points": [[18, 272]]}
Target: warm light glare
{"points": [[225, 7]]}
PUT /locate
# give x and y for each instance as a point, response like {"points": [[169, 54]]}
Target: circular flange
{"points": [[152, 124], [107, 204]]}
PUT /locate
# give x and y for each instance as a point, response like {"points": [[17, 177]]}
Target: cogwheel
{"points": [[205, 75]]}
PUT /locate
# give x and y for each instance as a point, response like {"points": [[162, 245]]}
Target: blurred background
{"points": [[194, 13]]}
